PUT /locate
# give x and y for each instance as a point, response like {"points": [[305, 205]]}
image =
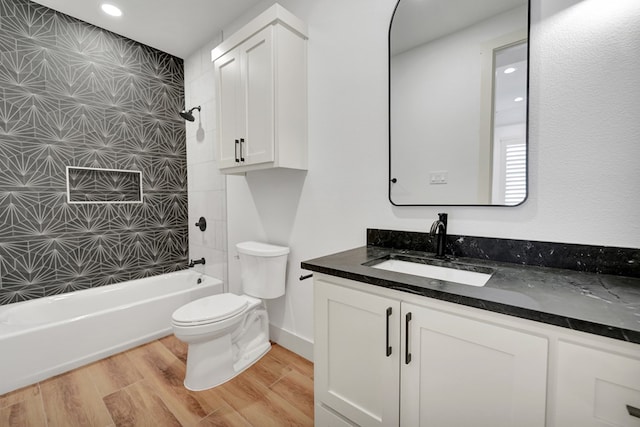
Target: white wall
{"points": [[206, 186], [584, 150]]}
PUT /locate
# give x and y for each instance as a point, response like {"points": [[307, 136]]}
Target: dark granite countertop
{"points": [[600, 304]]}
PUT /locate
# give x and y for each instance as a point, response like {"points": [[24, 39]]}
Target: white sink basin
{"points": [[471, 278]]}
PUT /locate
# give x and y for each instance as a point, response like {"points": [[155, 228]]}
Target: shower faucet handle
{"points": [[202, 224]]}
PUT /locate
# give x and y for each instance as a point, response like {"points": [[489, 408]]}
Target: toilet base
{"points": [[214, 361], [205, 372]]}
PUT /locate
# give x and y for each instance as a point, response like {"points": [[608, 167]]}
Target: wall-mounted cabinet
{"points": [[261, 83]]}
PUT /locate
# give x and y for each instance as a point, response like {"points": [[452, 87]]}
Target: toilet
{"points": [[227, 333]]}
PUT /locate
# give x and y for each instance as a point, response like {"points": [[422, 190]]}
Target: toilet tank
{"points": [[263, 268]]}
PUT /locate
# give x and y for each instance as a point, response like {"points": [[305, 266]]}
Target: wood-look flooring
{"points": [[143, 387]]}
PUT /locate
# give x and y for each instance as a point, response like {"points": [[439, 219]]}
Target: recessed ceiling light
{"points": [[509, 70], [518, 99], [110, 9]]}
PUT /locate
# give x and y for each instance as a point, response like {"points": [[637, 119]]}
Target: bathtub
{"points": [[48, 336]]}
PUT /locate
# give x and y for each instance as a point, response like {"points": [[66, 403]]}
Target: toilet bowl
{"points": [[227, 333]]}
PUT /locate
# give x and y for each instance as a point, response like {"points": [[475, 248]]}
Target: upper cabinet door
{"points": [[245, 80], [257, 77], [227, 74], [467, 373]]}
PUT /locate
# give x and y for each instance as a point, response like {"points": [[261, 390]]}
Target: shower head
{"points": [[188, 115]]}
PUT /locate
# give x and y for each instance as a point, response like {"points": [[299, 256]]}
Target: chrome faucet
{"points": [[439, 228]]}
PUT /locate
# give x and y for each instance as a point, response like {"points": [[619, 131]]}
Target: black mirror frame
{"points": [[393, 180]]}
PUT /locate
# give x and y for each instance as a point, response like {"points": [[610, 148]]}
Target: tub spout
{"points": [[196, 262]]}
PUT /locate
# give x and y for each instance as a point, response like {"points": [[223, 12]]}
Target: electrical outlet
{"points": [[438, 177]]}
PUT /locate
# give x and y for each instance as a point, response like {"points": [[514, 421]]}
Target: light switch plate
{"points": [[438, 177]]}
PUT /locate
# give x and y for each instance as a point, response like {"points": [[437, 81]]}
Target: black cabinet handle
{"points": [[236, 151], [389, 349], [633, 411], [407, 356], [241, 155]]}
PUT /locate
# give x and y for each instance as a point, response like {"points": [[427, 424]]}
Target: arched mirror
{"points": [[458, 96]]}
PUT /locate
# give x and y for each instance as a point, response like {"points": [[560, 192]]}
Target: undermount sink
{"points": [[422, 267]]}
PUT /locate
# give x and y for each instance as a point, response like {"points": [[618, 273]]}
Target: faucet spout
{"points": [[196, 262], [439, 229]]}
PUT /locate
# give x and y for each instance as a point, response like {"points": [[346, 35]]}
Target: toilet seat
{"points": [[210, 309]]}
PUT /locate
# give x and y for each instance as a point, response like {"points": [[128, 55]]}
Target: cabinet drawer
{"points": [[596, 387]]}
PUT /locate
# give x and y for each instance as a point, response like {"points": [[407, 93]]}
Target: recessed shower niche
{"points": [[95, 185]]}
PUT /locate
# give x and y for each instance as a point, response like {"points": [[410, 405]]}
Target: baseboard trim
{"points": [[292, 342]]}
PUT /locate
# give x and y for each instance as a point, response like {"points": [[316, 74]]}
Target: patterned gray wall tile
{"points": [[72, 94]]}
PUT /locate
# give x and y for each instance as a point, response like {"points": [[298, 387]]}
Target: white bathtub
{"points": [[48, 336]]}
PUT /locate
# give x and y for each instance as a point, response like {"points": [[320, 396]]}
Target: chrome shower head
{"points": [[188, 115]]}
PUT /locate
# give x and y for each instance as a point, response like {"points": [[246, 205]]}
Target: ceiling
{"points": [[173, 26]]}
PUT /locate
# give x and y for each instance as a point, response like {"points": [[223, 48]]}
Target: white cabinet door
{"points": [[245, 81], [597, 387], [356, 354], [465, 372], [230, 106], [257, 77], [324, 417]]}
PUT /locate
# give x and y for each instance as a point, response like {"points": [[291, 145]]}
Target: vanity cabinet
{"points": [[261, 82], [461, 371], [383, 361], [356, 356], [597, 386]]}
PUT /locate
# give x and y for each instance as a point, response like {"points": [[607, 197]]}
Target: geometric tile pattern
{"points": [[72, 94]]}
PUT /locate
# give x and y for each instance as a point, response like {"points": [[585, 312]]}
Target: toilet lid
{"points": [[210, 309]]}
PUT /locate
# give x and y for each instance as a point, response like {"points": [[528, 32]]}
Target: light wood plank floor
{"points": [[143, 387]]}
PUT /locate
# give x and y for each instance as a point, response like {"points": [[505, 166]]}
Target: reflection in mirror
{"points": [[458, 102]]}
